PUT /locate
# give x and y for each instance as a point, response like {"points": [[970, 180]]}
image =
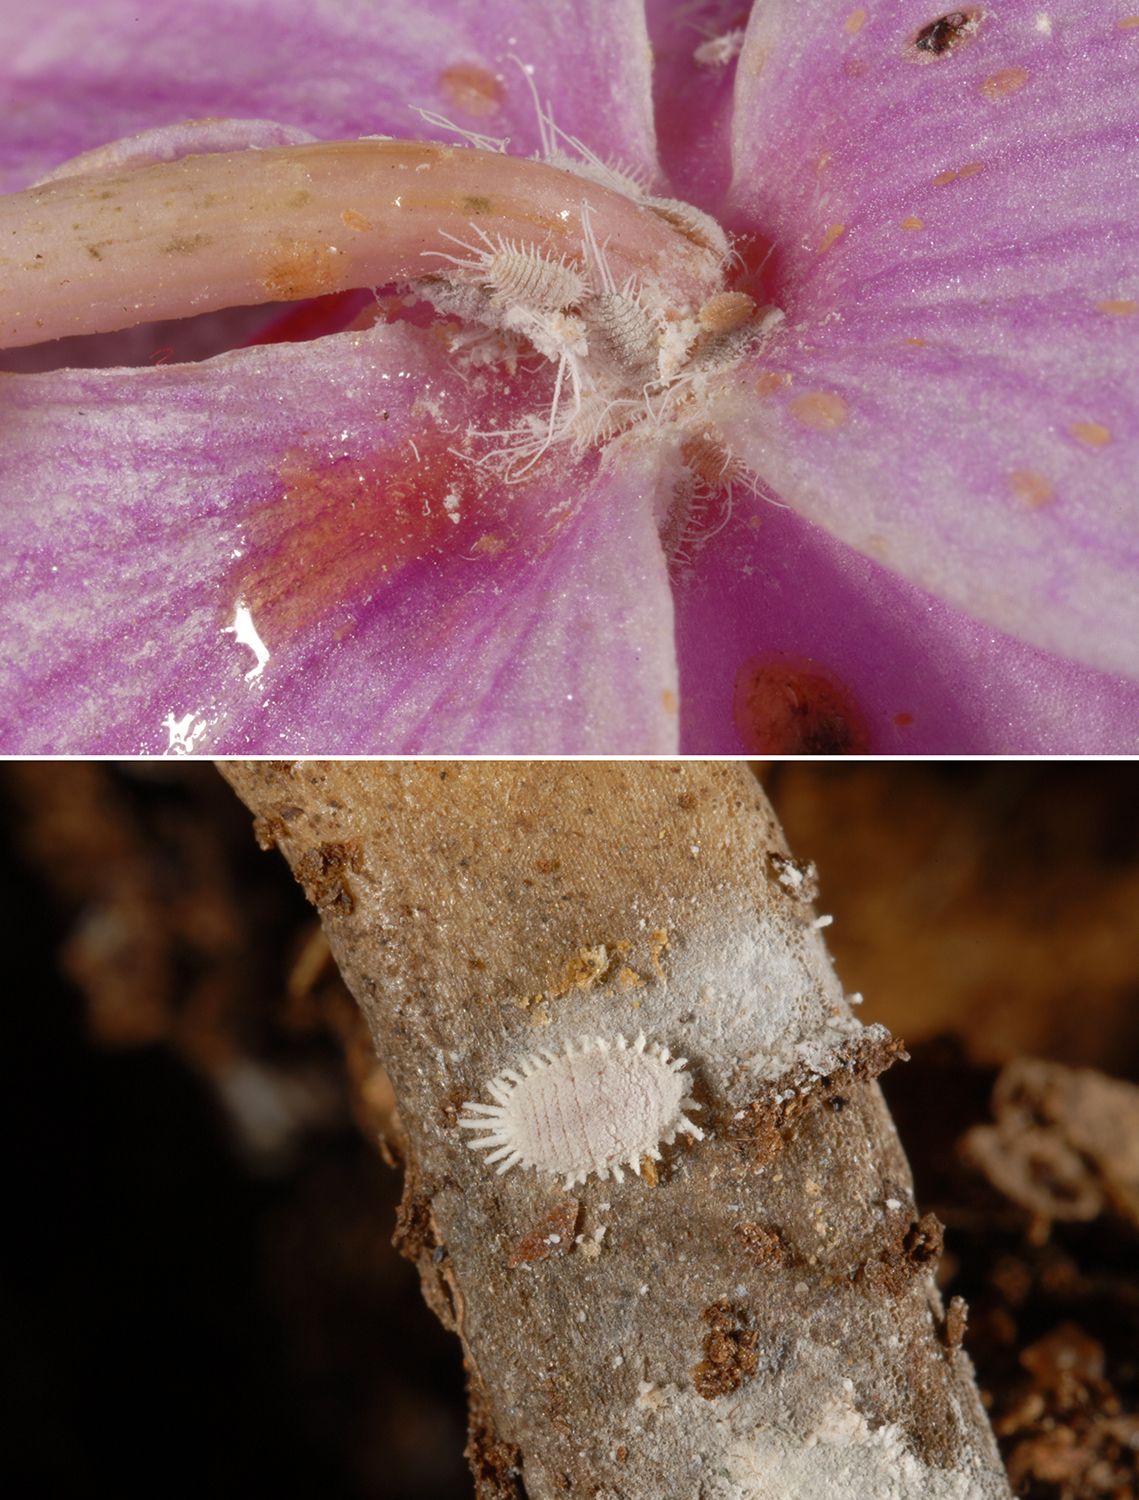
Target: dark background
{"points": [[198, 1292]]}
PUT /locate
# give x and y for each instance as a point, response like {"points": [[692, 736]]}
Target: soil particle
{"points": [[763, 1246], [730, 1353]]}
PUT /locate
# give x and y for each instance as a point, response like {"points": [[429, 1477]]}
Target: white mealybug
{"points": [[517, 274], [601, 1108]]}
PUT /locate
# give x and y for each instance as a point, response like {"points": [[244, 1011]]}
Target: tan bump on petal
{"points": [[855, 21], [1092, 434], [911, 221], [821, 410], [1004, 83], [1031, 487], [1128, 23], [1118, 307], [832, 233], [770, 381], [471, 89], [356, 221]]}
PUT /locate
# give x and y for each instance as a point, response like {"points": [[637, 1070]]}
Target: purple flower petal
{"points": [[694, 66], [77, 75], [791, 643], [956, 388], [279, 550]]}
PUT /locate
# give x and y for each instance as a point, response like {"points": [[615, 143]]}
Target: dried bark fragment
{"points": [[582, 1367], [762, 1124], [553, 1236]]}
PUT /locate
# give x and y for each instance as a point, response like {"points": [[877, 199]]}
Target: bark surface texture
{"points": [[754, 1317]]}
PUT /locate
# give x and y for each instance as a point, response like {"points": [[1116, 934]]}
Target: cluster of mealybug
{"points": [[622, 353]]}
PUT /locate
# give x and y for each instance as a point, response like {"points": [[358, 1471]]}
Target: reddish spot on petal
{"points": [[1031, 488], [821, 410], [1001, 85], [339, 530], [471, 89], [785, 706], [903, 721]]}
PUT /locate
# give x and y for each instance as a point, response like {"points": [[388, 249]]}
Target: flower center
{"points": [[624, 293]]}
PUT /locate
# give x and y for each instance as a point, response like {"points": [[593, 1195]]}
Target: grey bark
{"points": [[755, 1318]]}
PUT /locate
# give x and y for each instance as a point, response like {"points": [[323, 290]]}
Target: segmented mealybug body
{"points": [[515, 274], [599, 1109]]}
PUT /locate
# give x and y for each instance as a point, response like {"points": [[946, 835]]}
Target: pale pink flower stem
{"points": [[90, 254]]}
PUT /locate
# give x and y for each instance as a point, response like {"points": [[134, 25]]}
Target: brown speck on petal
{"points": [[833, 231], [913, 222], [1118, 307], [855, 21]]}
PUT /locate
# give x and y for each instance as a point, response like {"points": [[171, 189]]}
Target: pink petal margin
{"points": [[955, 391], [774, 596], [397, 605], [77, 74]]}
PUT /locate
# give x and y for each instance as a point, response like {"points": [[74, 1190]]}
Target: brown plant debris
{"points": [[323, 874], [1073, 1438], [956, 1322], [730, 1353], [764, 1246], [496, 1466], [550, 1237], [912, 1248], [1064, 1144], [760, 1125]]}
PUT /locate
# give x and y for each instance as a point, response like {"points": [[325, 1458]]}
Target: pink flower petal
{"points": [[279, 550], [78, 74], [956, 388], [790, 642], [694, 67]]}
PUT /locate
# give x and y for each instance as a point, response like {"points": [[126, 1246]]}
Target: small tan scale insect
{"points": [[599, 1109]]}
